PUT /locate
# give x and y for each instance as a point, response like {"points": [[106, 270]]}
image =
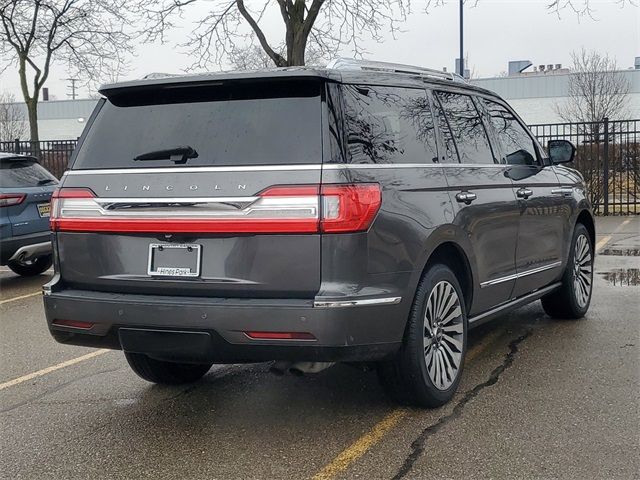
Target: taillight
{"points": [[349, 208], [11, 199], [280, 209]]}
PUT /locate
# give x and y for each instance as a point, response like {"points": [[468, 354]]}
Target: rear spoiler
{"points": [[184, 81]]}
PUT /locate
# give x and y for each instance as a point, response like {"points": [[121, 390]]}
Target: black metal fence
{"points": [[608, 156], [54, 155]]}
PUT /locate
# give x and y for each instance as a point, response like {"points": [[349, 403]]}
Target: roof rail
{"points": [[354, 64]]}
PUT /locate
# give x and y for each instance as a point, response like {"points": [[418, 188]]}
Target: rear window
{"points": [[24, 173], [246, 124]]}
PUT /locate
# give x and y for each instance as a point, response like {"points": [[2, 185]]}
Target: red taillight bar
{"points": [[11, 199], [343, 208]]}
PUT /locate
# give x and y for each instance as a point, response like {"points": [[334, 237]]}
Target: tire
{"points": [[572, 299], [166, 373], [34, 267], [414, 375]]}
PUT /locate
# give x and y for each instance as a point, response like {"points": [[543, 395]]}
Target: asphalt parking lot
{"points": [[539, 399]]}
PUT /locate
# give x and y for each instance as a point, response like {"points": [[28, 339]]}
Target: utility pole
{"points": [[73, 93], [461, 39]]}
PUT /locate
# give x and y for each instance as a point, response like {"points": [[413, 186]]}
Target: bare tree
{"points": [[253, 57], [597, 89], [89, 35], [323, 25], [12, 120]]}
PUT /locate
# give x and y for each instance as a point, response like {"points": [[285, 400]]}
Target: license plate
{"points": [[174, 260], [44, 209]]}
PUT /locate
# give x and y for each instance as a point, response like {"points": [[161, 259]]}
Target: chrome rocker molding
{"points": [[512, 304], [515, 276], [356, 303]]}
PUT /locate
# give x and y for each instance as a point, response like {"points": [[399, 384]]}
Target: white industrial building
{"points": [[534, 94]]}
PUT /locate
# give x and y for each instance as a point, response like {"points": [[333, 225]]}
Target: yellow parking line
{"points": [[28, 295], [358, 448], [53, 368], [604, 240]]}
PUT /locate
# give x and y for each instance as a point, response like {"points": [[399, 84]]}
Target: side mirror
{"points": [[561, 151]]}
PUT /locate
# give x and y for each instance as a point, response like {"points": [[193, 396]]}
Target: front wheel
{"points": [[168, 373], [427, 369], [32, 267], [572, 299]]}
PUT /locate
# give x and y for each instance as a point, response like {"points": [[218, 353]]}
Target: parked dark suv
{"points": [[365, 212]]}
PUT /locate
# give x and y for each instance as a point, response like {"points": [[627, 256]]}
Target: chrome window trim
{"points": [[280, 168], [515, 276], [356, 303], [147, 170]]}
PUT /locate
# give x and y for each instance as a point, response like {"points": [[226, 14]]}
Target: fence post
{"points": [[606, 166], [16, 145]]}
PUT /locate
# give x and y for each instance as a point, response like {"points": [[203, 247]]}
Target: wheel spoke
{"points": [[454, 314], [453, 356], [447, 368], [456, 343], [453, 328]]}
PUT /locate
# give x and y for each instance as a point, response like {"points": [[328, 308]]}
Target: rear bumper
{"points": [[213, 329], [25, 246]]}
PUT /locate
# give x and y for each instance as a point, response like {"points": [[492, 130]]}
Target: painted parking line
{"points": [[14, 299], [604, 240], [52, 368], [362, 445]]}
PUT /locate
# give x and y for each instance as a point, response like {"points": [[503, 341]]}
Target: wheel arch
{"points": [[586, 219], [454, 256]]}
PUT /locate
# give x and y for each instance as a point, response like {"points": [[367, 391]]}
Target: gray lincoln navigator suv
{"points": [[365, 212]]}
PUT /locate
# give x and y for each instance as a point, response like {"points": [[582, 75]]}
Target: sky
{"points": [[496, 31]]}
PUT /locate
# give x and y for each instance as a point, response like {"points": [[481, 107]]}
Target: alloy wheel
{"points": [[443, 335], [582, 270]]}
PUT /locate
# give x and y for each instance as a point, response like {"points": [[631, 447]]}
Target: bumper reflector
{"points": [[280, 335], [73, 324]]}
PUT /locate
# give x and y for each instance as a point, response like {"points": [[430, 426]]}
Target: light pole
{"points": [[461, 40]]}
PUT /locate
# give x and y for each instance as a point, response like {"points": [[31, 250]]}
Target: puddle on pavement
{"points": [[622, 277], [622, 252]]}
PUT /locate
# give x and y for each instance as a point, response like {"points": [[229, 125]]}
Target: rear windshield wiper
{"points": [[178, 154], [46, 181]]}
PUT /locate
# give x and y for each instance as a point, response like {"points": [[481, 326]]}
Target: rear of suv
{"points": [[25, 191], [361, 213]]}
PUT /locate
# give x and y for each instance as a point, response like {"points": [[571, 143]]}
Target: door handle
{"points": [[466, 197], [566, 191], [524, 193]]}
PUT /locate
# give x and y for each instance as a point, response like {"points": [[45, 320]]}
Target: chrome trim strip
{"points": [[356, 303], [281, 168], [374, 166], [496, 281], [256, 168], [164, 201], [533, 271], [367, 166]]}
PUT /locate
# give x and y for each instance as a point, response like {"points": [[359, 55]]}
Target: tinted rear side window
{"points": [[467, 128], [388, 125], [239, 124], [24, 173]]}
